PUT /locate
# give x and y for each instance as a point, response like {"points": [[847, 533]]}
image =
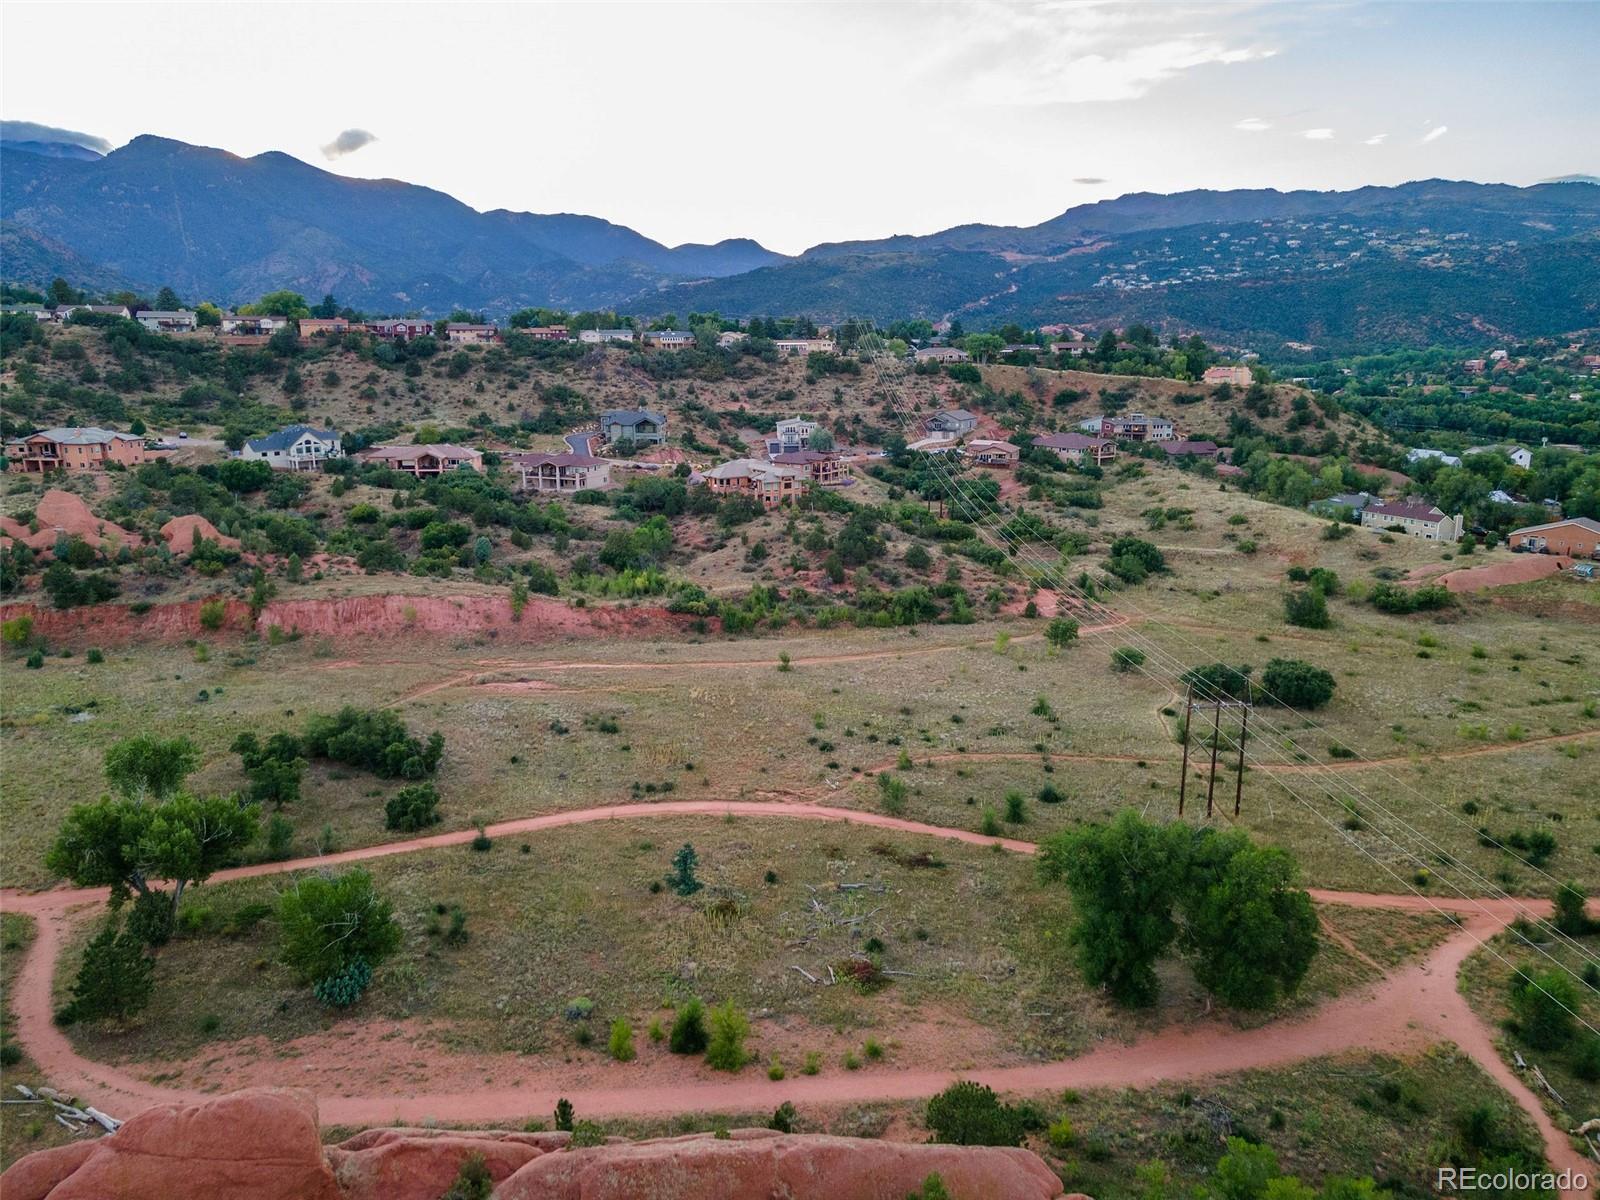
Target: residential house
{"points": [[1180, 447], [792, 434], [637, 425], [1417, 455], [294, 448], [248, 326], [987, 452], [1137, 427], [826, 468], [405, 328], [806, 345], [459, 333], [1498, 356], [158, 321], [770, 483], [957, 422], [1575, 537], [1339, 505], [1414, 518], [1473, 366], [1076, 347], [311, 327], [547, 333], [1078, 447], [942, 354], [424, 462], [668, 339], [565, 472], [598, 337], [85, 448], [1592, 361], [1237, 376], [37, 311], [1091, 424], [1520, 456], [730, 337], [64, 312]]}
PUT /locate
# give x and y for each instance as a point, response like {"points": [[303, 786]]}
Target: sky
{"points": [[800, 123]]}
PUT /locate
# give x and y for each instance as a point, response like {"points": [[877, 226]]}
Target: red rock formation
{"points": [[254, 1145], [179, 533], [792, 1166], [262, 1145]]}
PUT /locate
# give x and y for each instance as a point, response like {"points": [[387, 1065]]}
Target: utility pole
{"points": [[1183, 779], [1238, 785], [1211, 783]]}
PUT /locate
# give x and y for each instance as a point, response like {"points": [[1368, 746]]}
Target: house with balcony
{"points": [[986, 452], [311, 327], [790, 435], [637, 425], [953, 422], [669, 339], [771, 484], [459, 333], [405, 328], [81, 448], [1136, 427], [558, 474], [164, 321], [264, 325], [825, 468], [294, 448], [425, 462], [1078, 448]]}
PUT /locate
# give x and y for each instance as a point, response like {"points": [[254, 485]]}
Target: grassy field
{"points": [[982, 970]]}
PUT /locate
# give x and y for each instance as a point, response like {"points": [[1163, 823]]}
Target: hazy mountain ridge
{"points": [[211, 223], [1409, 263]]}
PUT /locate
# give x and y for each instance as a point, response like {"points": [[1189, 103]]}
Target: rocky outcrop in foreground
{"points": [[263, 1144]]}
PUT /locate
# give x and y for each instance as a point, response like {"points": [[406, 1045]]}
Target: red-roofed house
{"points": [[424, 461], [1079, 447]]}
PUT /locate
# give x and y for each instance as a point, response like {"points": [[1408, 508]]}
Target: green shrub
{"points": [[95, 656], [11, 1054], [151, 919], [35, 661], [212, 613], [1127, 658], [689, 1029], [970, 1114], [17, 632], [1544, 1004], [586, 1134], [783, 1117], [375, 740], [1061, 1135], [1297, 684], [348, 905], [412, 808], [472, 1182], [621, 1043], [1307, 609], [115, 978], [729, 1028]]}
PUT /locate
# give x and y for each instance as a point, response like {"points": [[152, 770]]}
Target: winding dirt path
{"points": [[1408, 1009]]}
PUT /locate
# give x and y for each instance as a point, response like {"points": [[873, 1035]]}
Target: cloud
{"points": [[29, 131], [1376, 139], [347, 142], [1317, 135], [1047, 52], [1253, 125], [1089, 179], [1434, 134]]}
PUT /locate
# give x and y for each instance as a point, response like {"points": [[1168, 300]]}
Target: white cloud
{"points": [[1317, 135], [1376, 139], [1253, 125], [1056, 52], [1434, 134]]}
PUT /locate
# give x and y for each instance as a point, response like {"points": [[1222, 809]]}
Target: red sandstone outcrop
{"points": [[262, 1144], [254, 1145], [60, 512], [179, 533]]}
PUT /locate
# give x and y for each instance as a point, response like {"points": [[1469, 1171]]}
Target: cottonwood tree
{"points": [[328, 923], [1125, 879], [128, 845], [146, 766], [1249, 929]]}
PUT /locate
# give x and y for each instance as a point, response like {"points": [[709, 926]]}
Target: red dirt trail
{"points": [[1410, 1008]]}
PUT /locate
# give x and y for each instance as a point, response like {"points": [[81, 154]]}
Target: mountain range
{"points": [[1422, 262]]}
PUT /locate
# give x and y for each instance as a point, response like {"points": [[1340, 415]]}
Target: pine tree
{"points": [[681, 878], [115, 978]]}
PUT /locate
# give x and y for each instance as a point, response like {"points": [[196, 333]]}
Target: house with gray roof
{"points": [[1415, 518], [294, 448], [637, 425], [955, 421]]}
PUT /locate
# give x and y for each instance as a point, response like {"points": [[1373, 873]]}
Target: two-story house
{"points": [[294, 448]]}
